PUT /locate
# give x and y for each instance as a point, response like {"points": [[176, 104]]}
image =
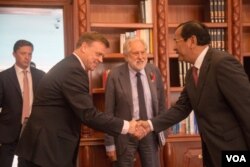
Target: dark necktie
{"points": [[142, 105], [195, 75]]}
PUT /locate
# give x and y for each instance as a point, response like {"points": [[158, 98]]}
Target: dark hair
{"points": [[197, 29], [90, 37], [32, 64], [20, 43]]}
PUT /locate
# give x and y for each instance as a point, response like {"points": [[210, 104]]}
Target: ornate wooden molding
{"points": [[82, 9], [86, 132], [162, 41], [236, 22]]}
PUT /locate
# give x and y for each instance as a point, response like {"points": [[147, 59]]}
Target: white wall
{"points": [[42, 27]]}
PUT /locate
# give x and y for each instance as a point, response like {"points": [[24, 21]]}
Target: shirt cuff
{"points": [[151, 125], [110, 148], [125, 127]]}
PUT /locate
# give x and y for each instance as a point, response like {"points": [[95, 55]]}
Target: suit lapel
{"points": [[34, 79], [125, 83], [152, 85], [14, 80], [203, 73]]}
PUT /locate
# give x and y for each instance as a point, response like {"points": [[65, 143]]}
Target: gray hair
{"points": [[127, 44]]}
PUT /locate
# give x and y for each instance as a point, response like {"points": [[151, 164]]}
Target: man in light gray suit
{"points": [[123, 101]]}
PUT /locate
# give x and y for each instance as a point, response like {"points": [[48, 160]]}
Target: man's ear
{"points": [[84, 46], [125, 57], [193, 41]]}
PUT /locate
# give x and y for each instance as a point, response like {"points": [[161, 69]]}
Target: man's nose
{"points": [[100, 59], [27, 56], [141, 55], [175, 49]]}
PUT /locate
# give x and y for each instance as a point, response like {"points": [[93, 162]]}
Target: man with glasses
{"points": [[217, 89]]}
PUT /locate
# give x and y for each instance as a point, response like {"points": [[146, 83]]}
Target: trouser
{"points": [[7, 154], [147, 149]]}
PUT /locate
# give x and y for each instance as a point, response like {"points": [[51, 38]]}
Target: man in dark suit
{"points": [[62, 103], [11, 99], [220, 98], [122, 100]]}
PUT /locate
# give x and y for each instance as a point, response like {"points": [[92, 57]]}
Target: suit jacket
{"points": [[51, 137], [119, 101], [221, 103], [11, 102]]}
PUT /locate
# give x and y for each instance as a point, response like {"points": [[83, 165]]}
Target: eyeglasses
{"points": [[137, 53], [178, 40]]}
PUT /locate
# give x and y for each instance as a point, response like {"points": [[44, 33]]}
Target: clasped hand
{"points": [[139, 129]]}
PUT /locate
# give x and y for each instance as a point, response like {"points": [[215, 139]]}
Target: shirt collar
{"points": [[200, 58], [133, 72], [20, 70], [83, 66]]}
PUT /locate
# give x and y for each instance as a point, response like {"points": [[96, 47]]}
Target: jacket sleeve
{"points": [[76, 91], [235, 87], [175, 114], [160, 92], [109, 106]]}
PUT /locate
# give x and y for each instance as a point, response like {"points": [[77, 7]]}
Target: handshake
{"points": [[139, 129]]}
